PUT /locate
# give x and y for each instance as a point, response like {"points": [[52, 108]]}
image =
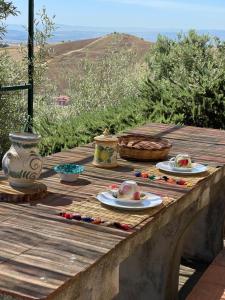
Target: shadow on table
{"points": [[158, 134], [57, 200], [124, 169], [47, 173], [79, 182], [167, 131]]}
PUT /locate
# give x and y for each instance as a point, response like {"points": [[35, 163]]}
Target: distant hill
{"points": [[17, 33], [92, 48], [97, 46], [66, 56]]}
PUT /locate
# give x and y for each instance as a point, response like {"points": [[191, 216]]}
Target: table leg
{"points": [[152, 271]]}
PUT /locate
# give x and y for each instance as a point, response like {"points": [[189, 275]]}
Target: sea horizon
{"points": [[17, 33]]}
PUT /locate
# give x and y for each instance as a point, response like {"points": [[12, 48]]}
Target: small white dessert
{"points": [[129, 190]]}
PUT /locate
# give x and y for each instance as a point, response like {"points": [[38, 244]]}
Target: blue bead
{"points": [[87, 219], [137, 174]]}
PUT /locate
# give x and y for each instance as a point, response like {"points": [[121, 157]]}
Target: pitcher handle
{"points": [[11, 155]]}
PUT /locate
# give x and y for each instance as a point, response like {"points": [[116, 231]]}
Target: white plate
{"points": [[196, 169], [182, 169], [150, 201]]}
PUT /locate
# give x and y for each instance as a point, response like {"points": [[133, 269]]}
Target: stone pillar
{"points": [[152, 270], [204, 238]]}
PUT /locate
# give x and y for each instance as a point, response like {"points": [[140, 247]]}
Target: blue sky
{"points": [[167, 14]]}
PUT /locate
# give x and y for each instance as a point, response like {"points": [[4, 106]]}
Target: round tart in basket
{"points": [[139, 147]]}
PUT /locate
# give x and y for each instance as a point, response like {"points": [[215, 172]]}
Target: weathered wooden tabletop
{"points": [[43, 256]]}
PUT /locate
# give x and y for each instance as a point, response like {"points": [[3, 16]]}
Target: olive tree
{"points": [[186, 80], [13, 105], [6, 9]]}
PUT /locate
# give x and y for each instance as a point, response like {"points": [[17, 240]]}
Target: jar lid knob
{"points": [[106, 132]]}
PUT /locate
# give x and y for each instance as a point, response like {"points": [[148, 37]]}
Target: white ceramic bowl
{"points": [[68, 177]]}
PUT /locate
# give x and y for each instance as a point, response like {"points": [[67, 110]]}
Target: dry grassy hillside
{"points": [[66, 57], [14, 51], [94, 48]]}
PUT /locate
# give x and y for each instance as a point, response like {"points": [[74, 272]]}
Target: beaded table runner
{"points": [[93, 209], [154, 174]]}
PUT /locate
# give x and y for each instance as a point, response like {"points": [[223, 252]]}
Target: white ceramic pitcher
{"points": [[22, 163]]}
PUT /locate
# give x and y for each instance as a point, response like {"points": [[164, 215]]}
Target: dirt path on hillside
{"points": [[77, 50], [84, 48]]}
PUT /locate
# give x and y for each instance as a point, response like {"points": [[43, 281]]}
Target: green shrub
{"points": [[66, 133], [186, 81]]}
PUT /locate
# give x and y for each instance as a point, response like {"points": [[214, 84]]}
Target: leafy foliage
{"points": [[105, 82], [13, 105], [6, 9], [186, 80], [66, 133]]}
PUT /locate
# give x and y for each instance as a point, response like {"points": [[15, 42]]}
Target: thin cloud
{"points": [[173, 5]]}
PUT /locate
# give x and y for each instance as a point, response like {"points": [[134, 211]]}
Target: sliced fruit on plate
{"points": [[137, 196]]}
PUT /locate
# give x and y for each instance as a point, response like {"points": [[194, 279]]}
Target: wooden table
{"points": [[43, 256]]}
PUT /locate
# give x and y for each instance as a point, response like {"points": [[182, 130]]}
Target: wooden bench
{"points": [[211, 285]]}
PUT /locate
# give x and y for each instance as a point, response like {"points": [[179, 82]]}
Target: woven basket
{"points": [[130, 148]]}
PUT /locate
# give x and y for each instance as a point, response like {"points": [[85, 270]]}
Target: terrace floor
{"points": [[190, 273]]}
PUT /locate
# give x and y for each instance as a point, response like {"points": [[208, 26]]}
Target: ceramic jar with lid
{"points": [[106, 148], [22, 164]]}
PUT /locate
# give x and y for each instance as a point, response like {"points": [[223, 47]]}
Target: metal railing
{"points": [[30, 85]]}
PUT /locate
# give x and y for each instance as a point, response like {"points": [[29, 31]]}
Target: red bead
{"points": [[181, 182], [113, 186], [68, 216], [125, 227]]}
